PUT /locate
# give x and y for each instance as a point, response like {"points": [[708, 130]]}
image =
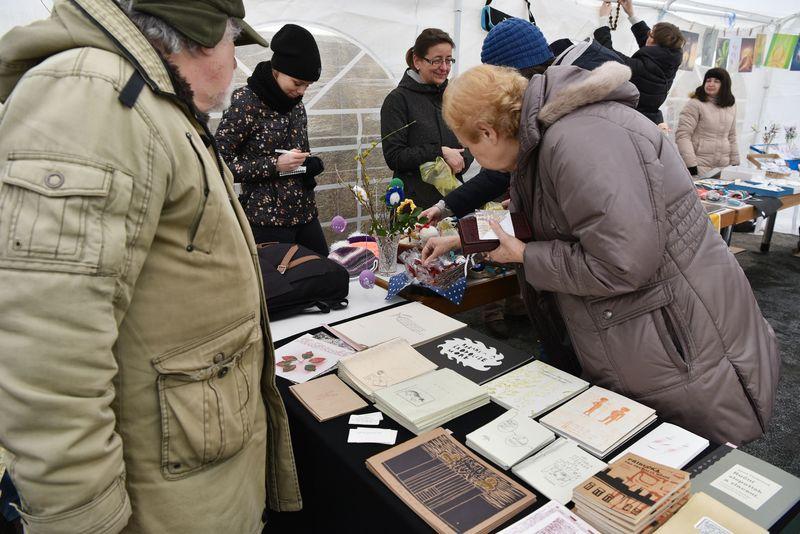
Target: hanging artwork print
{"points": [[734, 52], [721, 56], [690, 49], [709, 47], [473, 355], [781, 51], [761, 46], [796, 57], [747, 55]]}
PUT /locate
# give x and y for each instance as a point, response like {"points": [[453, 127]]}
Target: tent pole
{"points": [[750, 17], [458, 7]]}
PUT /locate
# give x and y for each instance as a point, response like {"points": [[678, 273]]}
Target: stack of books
{"points": [[425, 402], [631, 496], [381, 366], [534, 388], [599, 420], [509, 439]]}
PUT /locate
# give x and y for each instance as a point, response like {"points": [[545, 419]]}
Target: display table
{"points": [[479, 292], [732, 216], [361, 301], [341, 495]]}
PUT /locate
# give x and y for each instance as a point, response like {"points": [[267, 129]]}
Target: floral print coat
{"points": [[248, 136]]}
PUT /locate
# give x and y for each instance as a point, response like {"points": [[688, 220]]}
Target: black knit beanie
{"points": [[296, 53]]}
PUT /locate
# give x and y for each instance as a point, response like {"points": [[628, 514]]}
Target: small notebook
{"points": [[552, 518], [557, 469], [307, 357], [757, 489], [474, 355], [704, 515], [327, 397], [669, 445]]}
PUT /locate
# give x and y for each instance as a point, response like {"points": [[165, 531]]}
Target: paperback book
{"points": [[427, 401], [327, 397], [669, 445], [534, 388], [704, 515], [509, 439], [414, 322], [307, 357], [599, 420], [450, 488], [473, 355], [557, 469], [552, 518], [382, 366]]}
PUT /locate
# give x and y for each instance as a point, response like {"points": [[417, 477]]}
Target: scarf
{"points": [[264, 84]]}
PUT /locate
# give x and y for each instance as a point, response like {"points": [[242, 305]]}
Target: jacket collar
{"points": [[412, 81], [563, 89]]}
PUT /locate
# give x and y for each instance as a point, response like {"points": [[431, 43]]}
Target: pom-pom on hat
{"points": [[296, 54], [515, 43]]}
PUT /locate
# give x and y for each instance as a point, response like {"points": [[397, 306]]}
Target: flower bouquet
{"points": [[391, 214]]}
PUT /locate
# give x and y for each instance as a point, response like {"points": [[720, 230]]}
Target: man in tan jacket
{"points": [[137, 386]]}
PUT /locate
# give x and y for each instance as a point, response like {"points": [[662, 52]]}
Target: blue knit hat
{"points": [[515, 43]]}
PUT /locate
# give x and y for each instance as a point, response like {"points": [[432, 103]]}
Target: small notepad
{"points": [[327, 397]]}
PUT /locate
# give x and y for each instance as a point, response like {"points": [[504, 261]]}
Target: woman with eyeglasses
{"points": [[418, 100]]}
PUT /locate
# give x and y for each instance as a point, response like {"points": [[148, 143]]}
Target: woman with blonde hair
{"points": [[655, 305]]}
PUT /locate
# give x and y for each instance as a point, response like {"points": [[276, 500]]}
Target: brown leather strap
{"points": [[284, 264], [298, 261]]}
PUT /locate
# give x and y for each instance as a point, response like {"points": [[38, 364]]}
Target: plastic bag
{"points": [[439, 174]]}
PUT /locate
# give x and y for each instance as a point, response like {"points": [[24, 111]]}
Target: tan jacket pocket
{"points": [[208, 392], [52, 211]]}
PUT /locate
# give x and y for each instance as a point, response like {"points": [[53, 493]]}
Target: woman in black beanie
{"points": [[263, 137]]}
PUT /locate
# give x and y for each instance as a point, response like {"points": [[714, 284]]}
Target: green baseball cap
{"points": [[202, 21]]}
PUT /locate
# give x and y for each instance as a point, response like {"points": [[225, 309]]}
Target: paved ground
{"points": [[775, 278]]}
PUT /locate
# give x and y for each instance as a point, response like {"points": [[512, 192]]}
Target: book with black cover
{"points": [[753, 487], [473, 355]]}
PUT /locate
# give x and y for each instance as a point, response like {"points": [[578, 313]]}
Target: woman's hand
{"points": [[453, 157], [605, 9], [291, 160], [436, 246], [433, 214], [511, 249], [627, 6]]}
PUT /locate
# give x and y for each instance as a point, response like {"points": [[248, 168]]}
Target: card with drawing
{"points": [[307, 357]]}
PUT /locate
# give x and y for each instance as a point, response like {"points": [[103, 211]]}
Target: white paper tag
{"points": [[372, 435], [366, 419], [746, 486], [502, 217]]}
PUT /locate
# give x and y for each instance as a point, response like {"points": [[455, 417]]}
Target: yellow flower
{"points": [[406, 206]]}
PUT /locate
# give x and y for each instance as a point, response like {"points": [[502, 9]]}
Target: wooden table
{"points": [[732, 216], [479, 292]]}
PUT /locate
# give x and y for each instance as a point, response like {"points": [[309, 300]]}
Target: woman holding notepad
{"points": [[263, 137]]}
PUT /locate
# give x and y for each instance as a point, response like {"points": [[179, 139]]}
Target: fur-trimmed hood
{"points": [[563, 89]]}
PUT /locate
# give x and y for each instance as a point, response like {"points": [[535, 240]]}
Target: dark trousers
{"points": [[309, 235]]}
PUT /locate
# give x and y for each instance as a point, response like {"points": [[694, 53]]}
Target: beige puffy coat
{"points": [[137, 387], [706, 135]]}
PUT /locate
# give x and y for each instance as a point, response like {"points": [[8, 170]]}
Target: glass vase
{"points": [[387, 253]]}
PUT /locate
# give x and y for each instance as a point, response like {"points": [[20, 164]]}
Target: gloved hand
{"points": [[314, 167], [693, 170]]}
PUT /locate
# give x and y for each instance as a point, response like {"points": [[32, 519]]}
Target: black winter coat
{"points": [[653, 68], [421, 142], [483, 187]]}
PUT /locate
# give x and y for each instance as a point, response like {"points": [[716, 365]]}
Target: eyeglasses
{"points": [[437, 61]]}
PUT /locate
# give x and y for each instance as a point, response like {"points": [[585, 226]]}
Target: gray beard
{"points": [[223, 100]]}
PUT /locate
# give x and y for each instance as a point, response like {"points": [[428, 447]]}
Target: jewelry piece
{"points": [[614, 22]]}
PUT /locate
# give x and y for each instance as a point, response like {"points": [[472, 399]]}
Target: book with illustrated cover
{"points": [[427, 401], [599, 420], [704, 515], [509, 439], [747, 484], [669, 445], [327, 397], [633, 494], [383, 365], [307, 357], [414, 322], [557, 469], [449, 487], [534, 388], [552, 518], [473, 355]]}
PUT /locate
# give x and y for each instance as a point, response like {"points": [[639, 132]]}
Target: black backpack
{"points": [[298, 280]]}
